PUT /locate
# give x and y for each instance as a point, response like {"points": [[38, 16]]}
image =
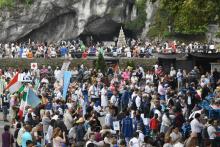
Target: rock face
{"points": [[53, 20], [151, 9]]}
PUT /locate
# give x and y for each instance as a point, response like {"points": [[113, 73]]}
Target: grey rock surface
{"points": [[53, 20]]}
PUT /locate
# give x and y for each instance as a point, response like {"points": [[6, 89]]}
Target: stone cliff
{"points": [[53, 20]]}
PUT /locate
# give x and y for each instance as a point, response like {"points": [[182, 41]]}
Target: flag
{"points": [[66, 79], [28, 98], [32, 99], [23, 103], [21, 89], [14, 85]]}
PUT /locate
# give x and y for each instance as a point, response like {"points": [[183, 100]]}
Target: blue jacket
{"points": [[125, 98], [127, 127]]}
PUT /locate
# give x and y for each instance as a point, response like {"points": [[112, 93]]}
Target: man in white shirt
{"points": [[57, 72], [93, 92], [138, 101], [197, 127], [109, 118], [114, 100], [147, 88], [134, 142], [212, 132], [172, 72], [68, 119]]}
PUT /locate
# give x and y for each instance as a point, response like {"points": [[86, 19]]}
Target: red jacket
{"points": [[154, 124]]}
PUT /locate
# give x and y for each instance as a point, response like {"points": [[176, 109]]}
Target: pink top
{"points": [[161, 90], [126, 75]]}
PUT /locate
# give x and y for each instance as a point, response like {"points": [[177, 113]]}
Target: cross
{"points": [[33, 65]]}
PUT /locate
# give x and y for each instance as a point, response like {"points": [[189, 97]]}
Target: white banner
{"points": [[64, 68], [116, 125], [65, 65], [34, 66]]}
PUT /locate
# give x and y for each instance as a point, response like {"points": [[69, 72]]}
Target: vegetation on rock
{"points": [[190, 17], [12, 3], [218, 34], [139, 22]]}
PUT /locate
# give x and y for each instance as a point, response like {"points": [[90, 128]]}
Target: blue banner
{"points": [[66, 82], [32, 99]]}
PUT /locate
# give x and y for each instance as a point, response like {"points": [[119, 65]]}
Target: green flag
{"points": [[21, 89]]}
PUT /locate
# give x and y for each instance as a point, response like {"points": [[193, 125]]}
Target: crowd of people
{"points": [[77, 49], [127, 107]]}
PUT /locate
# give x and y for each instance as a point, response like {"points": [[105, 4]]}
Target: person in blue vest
{"points": [[63, 51], [21, 51], [127, 127]]}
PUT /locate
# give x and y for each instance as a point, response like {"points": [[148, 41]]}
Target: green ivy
{"points": [[218, 35], [12, 3], [6, 3], [159, 27], [139, 22], [131, 64], [191, 17]]}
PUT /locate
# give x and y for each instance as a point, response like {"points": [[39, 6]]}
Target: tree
{"points": [[100, 64]]}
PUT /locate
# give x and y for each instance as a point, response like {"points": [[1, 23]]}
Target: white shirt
{"points": [[149, 78], [107, 119], [167, 145], [57, 73], [49, 134], [211, 131], [165, 121], [113, 100], [93, 91], [68, 120], [189, 100], [141, 137], [196, 126], [134, 142], [175, 137], [133, 95], [104, 92], [147, 89], [172, 73], [138, 101], [178, 144], [161, 89]]}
